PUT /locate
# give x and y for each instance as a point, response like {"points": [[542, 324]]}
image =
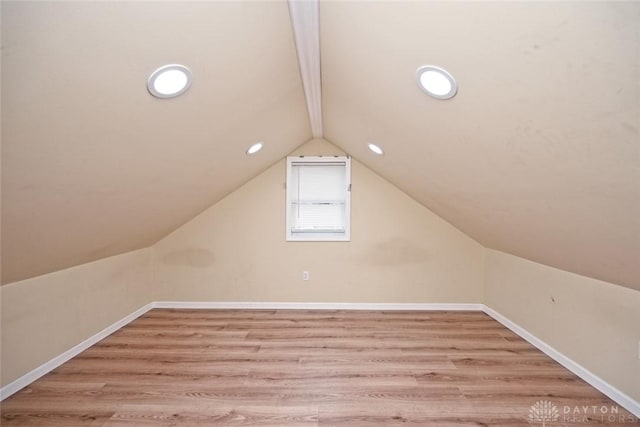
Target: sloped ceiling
{"points": [[92, 165], [538, 155]]}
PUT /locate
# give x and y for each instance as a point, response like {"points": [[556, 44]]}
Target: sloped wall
{"points": [[595, 323], [47, 315], [399, 251]]}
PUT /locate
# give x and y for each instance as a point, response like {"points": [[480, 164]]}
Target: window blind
{"points": [[317, 197]]}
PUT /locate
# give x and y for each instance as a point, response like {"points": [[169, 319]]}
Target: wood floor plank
{"points": [[207, 415], [281, 368], [437, 411]]}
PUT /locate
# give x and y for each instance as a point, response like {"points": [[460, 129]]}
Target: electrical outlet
{"points": [[305, 275]]}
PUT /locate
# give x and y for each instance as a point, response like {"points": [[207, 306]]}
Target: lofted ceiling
{"points": [[538, 155], [92, 165]]}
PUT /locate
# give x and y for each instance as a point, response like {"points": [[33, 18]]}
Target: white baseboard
{"points": [[318, 306], [595, 381], [616, 395], [49, 366]]}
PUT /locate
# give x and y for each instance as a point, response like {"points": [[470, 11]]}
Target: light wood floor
{"points": [[308, 368]]}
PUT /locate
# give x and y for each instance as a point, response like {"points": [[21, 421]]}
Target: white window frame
{"points": [[319, 236]]}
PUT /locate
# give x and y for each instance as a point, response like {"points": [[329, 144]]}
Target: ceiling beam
{"points": [[305, 20]]}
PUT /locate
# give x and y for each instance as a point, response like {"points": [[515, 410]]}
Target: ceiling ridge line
{"points": [[305, 21]]}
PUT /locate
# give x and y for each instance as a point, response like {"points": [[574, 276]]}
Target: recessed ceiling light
{"points": [[255, 148], [436, 82], [376, 149], [169, 81]]}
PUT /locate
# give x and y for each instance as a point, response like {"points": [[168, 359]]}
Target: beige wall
{"points": [[597, 324], [399, 251], [47, 315]]}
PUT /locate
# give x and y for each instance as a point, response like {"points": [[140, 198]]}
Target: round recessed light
{"points": [[255, 148], [169, 81], [376, 149], [436, 82]]}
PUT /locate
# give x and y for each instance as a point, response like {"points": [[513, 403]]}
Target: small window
{"points": [[318, 198]]}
